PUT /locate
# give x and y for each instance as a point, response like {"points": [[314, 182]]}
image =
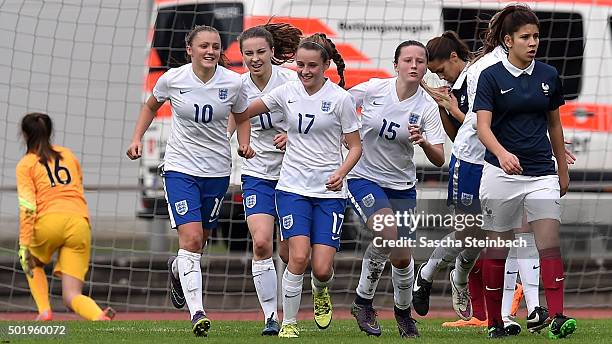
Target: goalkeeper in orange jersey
{"points": [[53, 217]]}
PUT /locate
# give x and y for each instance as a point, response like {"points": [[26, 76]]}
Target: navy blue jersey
{"points": [[520, 101], [460, 92]]}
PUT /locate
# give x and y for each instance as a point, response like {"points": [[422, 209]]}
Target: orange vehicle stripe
{"points": [[307, 25], [586, 116]]}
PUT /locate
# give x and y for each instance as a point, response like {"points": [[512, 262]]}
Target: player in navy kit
{"points": [[310, 194], [397, 114], [197, 161], [264, 48], [517, 104]]}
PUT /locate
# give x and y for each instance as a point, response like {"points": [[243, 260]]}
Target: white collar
{"points": [[515, 71], [459, 82]]}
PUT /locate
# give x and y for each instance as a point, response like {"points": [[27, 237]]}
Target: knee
{"points": [[191, 242], [322, 272], [261, 248], [400, 263], [299, 260]]}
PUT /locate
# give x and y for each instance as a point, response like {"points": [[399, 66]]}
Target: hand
{"points": [[453, 104], [334, 182], [437, 93], [569, 156], [246, 151], [510, 163], [280, 141], [25, 259], [563, 182], [415, 134], [134, 150]]}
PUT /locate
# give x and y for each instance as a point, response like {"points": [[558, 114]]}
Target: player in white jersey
{"points": [[449, 59], [310, 194], [263, 49], [197, 162], [397, 115]]}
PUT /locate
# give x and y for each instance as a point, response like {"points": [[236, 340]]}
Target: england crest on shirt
{"points": [[223, 93], [325, 106], [250, 201], [287, 221], [414, 118], [181, 207]]}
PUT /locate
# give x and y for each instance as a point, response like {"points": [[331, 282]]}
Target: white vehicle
{"points": [[575, 38]]}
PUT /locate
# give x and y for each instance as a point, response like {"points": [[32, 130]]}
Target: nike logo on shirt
{"points": [[188, 272], [559, 279], [291, 101], [506, 91], [184, 91], [492, 289], [377, 104]]}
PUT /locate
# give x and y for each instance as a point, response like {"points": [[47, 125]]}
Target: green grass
{"points": [[236, 332]]}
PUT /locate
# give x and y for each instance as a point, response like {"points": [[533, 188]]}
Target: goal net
{"points": [[91, 64]]}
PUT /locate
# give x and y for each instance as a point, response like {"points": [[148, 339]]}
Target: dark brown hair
{"points": [[327, 48], [408, 43], [440, 48], [507, 22], [37, 129], [223, 60], [284, 38]]}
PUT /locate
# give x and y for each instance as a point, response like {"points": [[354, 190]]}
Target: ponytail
{"points": [[506, 22], [326, 46], [284, 38], [440, 48], [37, 129]]}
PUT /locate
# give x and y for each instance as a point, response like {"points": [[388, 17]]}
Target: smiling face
{"points": [[257, 55], [411, 64], [311, 68], [523, 44], [205, 49]]}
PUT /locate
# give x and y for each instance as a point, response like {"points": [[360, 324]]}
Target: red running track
{"points": [[598, 313]]}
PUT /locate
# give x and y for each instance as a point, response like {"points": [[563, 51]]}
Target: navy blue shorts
{"points": [[368, 197], [320, 219], [258, 196], [464, 185], [194, 199]]}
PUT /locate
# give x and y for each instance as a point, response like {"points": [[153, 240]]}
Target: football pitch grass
{"points": [[236, 332]]}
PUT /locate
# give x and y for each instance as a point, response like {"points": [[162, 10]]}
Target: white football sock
{"points": [[440, 258], [372, 266], [292, 296], [264, 278], [190, 274], [402, 285]]}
